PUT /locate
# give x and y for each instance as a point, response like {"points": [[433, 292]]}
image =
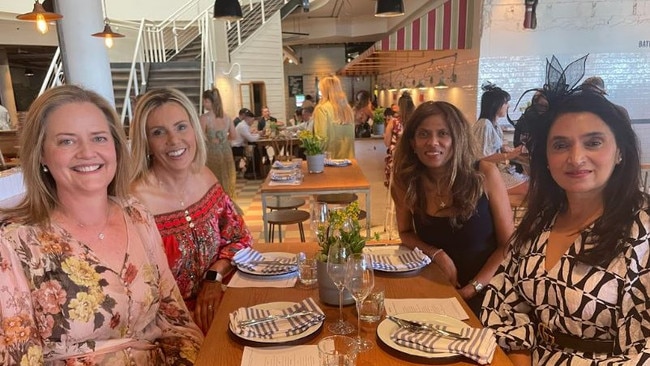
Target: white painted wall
{"points": [[613, 32], [260, 58]]}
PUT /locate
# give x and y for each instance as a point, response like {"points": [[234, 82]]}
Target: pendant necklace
{"points": [[101, 234], [180, 197], [442, 204]]}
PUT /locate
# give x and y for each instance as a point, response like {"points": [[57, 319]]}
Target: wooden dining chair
{"points": [[519, 206]]}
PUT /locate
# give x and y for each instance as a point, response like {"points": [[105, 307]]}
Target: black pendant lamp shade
{"points": [[227, 10], [389, 8]]}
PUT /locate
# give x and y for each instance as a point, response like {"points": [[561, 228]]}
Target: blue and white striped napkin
{"points": [[278, 328], [244, 257], [479, 347], [407, 261]]}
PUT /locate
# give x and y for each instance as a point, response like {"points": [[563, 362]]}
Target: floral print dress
{"points": [[196, 237], [607, 303], [60, 304], [395, 135]]}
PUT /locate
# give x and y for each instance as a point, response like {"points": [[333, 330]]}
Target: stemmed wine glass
{"points": [[359, 280], [319, 221], [336, 269]]}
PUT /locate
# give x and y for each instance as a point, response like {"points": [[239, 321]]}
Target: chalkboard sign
{"points": [[295, 85]]}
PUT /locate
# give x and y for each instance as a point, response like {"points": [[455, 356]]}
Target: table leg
{"points": [[368, 214], [264, 222]]}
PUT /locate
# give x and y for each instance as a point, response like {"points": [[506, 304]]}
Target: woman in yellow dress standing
{"points": [[334, 119]]}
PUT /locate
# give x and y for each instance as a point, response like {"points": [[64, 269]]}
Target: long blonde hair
{"points": [[41, 195], [332, 92], [138, 132]]}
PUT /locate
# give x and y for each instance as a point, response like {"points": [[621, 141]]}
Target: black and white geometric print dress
{"points": [[606, 303]]}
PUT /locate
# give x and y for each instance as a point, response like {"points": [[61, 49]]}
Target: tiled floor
{"points": [[370, 155]]}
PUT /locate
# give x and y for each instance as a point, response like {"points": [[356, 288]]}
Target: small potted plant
{"points": [[314, 146], [342, 228], [378, 121]]}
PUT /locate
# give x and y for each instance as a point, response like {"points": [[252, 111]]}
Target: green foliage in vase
{"points": [[378, 116], [342, 227], [313, 144]]}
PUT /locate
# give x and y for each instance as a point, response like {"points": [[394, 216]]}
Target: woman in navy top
{"points": [[447, 204]]}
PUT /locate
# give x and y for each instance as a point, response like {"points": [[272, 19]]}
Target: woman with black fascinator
{"points": [[575, 288], [489, 137]]}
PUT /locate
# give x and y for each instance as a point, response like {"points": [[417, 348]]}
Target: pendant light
{"points": [[40, 16], [227, 10], [389, 8], [441, 84], [107, 33]]}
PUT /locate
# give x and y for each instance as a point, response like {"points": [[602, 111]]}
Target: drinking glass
{"points": [[319, 221], [359, 280], [336, 269]]}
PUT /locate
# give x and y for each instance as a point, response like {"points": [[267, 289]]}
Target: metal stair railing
{"points": [[158, 42], [54, 75], [254, 16]]}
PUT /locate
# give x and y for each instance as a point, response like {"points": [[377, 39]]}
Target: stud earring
{"points": [[45, 170]]}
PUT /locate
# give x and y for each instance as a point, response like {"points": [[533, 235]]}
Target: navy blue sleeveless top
{"points": [[468, 246]]}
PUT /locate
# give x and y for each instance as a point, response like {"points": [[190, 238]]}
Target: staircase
{"points": [[183, 70], [191, 52], [182, 75], [120, 74], [252, 20]]}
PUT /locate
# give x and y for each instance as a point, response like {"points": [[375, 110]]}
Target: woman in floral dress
{"points": [[394, 127], [575, 288], [219, 130], [198, 222], [84, 278]]}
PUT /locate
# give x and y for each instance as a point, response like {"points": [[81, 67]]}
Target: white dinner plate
{"points": [[387, 327], [338, 162], [284, 165], [392, 251], [269, 257], [277, 306]]}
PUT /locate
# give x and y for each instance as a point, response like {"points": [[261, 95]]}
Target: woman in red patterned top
{"points": [[200, 227]]}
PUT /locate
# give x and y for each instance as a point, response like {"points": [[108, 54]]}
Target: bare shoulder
{"points": [[493, 183], [206, 177], [152, 196], [488, 169]]}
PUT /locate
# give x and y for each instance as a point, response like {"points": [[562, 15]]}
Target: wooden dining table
{"points": [[223, 348], [347, 179]]}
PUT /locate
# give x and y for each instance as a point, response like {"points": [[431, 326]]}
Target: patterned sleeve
{"points": [[234, 234], [634, 323], [181, 338], [486, 137], [505, 311], [19, 340]]}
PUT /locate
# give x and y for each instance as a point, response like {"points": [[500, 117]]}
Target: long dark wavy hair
{"points": [[622, 197], [465, 181]]}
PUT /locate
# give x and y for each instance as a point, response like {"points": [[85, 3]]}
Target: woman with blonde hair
{"points": [[84, 276], [447, 203], [200, 226], [334, 119], [219, 130]]}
